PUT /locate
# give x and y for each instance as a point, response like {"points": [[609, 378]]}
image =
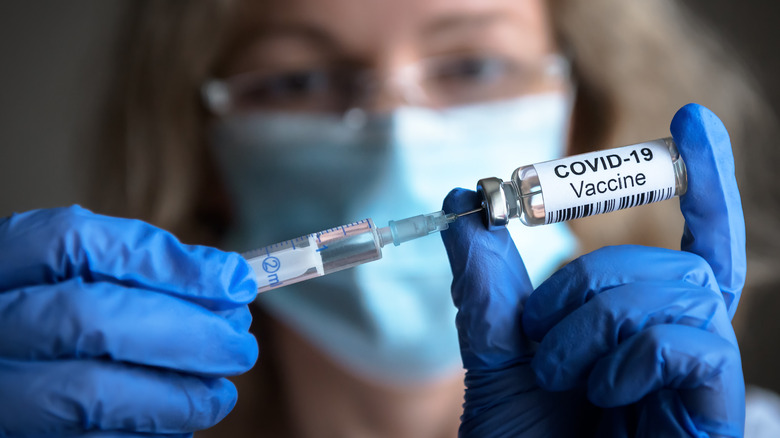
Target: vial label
{"points": [[605, 181]]}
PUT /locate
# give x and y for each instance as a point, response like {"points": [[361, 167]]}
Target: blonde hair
{"points": [[635, 64], [154, 163]]}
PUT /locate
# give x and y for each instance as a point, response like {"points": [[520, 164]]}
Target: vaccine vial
{"points": [[585, 185]]}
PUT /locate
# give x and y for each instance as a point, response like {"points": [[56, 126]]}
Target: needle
{"points": [[476, 210]]}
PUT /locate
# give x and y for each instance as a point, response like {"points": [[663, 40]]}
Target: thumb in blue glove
{"points": [[714, 223], [490, 287]]}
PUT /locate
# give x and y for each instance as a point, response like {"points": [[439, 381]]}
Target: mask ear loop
{"points": [[405, 82], [355, 118], [216, 96], [409, 81], [562, 65]]}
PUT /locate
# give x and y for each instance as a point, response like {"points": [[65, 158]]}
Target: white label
{"points": [[286, 262], [605, 181]]}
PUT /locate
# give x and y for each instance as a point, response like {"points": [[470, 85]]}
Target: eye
{"points": [[310, 89], [475, 68], [294, 84]]}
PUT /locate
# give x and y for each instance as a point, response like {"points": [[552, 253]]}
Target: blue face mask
{"points": [[392, 320]]}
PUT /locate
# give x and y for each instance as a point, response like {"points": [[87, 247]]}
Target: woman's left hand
{"points": [[625, 340]]}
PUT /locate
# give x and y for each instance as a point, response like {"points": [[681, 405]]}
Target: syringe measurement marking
{"points": [[274, 266]]}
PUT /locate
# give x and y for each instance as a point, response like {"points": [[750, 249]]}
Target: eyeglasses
{"points": [[437, 82]]}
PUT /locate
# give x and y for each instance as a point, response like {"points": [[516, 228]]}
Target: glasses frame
{"points": [[217, 93]]}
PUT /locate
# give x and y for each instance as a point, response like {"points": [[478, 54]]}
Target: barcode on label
{"points": [[609, 205]]}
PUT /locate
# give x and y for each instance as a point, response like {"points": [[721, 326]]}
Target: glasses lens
{"points": [[470, 78], [434, 82], [310, 90]]}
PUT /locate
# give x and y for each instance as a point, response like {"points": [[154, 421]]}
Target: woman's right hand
{"points": [[111, 326]]}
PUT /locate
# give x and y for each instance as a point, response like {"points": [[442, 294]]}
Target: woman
{"points": [[203, 171]]}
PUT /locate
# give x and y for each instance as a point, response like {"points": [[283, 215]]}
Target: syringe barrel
{"points": [[346, 247], [586, 184], [315, 255]]}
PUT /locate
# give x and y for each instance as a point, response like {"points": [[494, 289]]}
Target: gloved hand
{"points": [[111, 327], [624, 341]]}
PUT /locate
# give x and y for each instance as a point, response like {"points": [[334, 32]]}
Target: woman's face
{"points": [[288, 42], [282, 36]]}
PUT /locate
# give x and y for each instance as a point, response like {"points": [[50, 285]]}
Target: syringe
{"points": [[543, 193], [335, 249]]}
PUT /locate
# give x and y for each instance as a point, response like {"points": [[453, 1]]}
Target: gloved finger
{"points": [[714, 224], [50, 246], [569, 351], [81, 320], [587, 276], [489, 286], [119, 434], [704, 367], [61, 397]]}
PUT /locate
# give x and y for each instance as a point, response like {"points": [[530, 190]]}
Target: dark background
{"points": [[54, 65], [54, 60]]}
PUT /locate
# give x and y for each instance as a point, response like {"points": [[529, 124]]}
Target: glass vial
{"points": [[586, 184]]}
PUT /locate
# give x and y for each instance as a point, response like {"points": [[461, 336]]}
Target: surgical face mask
{"points": [[392, 320]]}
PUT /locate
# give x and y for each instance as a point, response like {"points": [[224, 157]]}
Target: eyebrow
{"points": [[460, 22], [309, 33]]}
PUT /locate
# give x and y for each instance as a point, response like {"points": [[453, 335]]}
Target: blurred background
{"points": [[56, 59], [55, 66]]}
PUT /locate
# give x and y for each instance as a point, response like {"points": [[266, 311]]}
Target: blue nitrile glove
{"points": [[111, 327], [624, 341]]}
